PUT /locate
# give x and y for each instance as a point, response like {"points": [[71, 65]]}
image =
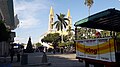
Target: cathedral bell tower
{"points": [[70, 20], [51, 20]]}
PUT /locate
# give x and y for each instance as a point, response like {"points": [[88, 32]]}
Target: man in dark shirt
{"points": [[12, 53]]}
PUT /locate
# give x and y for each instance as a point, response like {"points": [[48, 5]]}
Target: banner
{"points": [[98, 49]]}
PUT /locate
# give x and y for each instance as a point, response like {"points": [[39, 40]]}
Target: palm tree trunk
{"points": [[89, 10], [62, 36]]}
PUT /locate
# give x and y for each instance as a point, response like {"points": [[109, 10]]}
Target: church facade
{"points": [[52, 29]]}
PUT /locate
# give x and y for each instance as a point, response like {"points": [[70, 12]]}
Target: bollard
{"points": [[44, 58]]}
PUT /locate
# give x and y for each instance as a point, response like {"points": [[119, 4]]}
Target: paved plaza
{"points": [[54, 60], [64, 60]]}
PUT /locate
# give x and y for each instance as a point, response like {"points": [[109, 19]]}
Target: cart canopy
{"points": [[105, 20]]}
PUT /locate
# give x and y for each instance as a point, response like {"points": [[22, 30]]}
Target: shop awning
{"points": [[105, 20]]}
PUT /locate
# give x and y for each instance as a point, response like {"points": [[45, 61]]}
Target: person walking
{"points": [[61, 50], [18, 54], [12, 53]]}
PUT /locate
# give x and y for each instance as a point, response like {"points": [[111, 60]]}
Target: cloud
{"points": [[27, 11]]}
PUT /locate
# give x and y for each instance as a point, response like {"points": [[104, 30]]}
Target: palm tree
{"points": [[89, 3], [61, 23]]}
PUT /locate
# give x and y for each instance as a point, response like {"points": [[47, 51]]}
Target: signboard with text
{"points": [[98, 49]]}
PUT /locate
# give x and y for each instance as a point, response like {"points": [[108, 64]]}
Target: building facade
{"points": [[7, 15], [52, 29]]}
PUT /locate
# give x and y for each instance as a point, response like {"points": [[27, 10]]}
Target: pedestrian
{"points": [[18, 55], [61, 50], [53, 51], [12, 53]]}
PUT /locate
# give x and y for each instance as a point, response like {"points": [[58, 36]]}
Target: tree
{"points": [[61, 23], [4, 32], [53, 38], [29, 48], [38, 44], [89, 3]]}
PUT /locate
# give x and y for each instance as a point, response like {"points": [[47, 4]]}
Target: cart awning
{"points": [[105, 20]]}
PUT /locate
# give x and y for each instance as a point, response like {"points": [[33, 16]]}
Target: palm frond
{"points": [[85, 2], [62, 15], [66, 19], [59, 17], [61, 27], [57, 27], [61, 23], [56, 22], [65, 24], [89, 3]]}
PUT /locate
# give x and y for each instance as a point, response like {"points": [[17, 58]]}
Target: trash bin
{"points": [[24, 59]]}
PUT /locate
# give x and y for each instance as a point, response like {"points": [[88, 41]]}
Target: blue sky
{"points": [[34, 14]]}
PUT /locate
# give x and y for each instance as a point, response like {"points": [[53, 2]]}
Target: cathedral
{"points": [[52, 29]]}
